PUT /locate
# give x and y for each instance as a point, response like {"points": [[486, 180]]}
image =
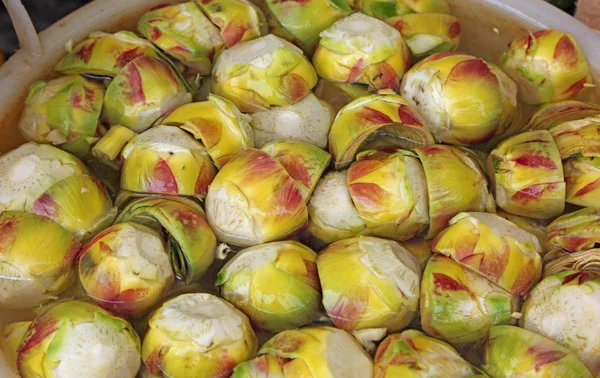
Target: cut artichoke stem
{"points": [[75, 336], [513, 352], [267, 71], [109, 147], [125, 269], [202, 329], [317, 352], [493, 247], [549, 66], [184, 32], [308, 120], [565, 308], [369, 265], [279, 271], [362, 49], [191, 242], [400, 354]]}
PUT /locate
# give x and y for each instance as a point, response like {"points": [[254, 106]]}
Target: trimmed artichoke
{"points": [[218, 123], [44, 180], [493, 247], [305, 20], [103, 54], [517, 352], [261, 195], [556, 113], [582, 177], [549, 66], [455, 183], [145, 89], [362, 49], [559, 261], [369, 283], [63, 112], [308, 120], [411, 354], [310, 352], [378, 120], [389, 191], [459, 306], [72, 337], [125, 269], [528, 175], [332, 214], [384, 9], [464, 100], [238, 20], [266, 71], [165, 159], [577, 137], [184, 32], [275, 284], [426, 34], [191, 242], [576, 231], [37, 257], [10, 341], [197, 335], [565, 307]]}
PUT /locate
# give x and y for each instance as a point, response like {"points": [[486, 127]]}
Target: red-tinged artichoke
{"points": [[576, 231], [493, 247], [166, 160]]}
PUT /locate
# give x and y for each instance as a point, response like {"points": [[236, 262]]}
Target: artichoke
{"points": [[582, 177], [303, 21], [459, 306], [72, 337], [165, 159], [549, 66], [455, 183], [103, 54], [12, 335], [197, 335], [145, 89], [125, 269], [311, 352], [528, 175], [44, 180], [464, 99], [63, 112], [238, 20], [275, 284], [332, 214], [388, 189], [576, 231], [493, 247], [578, 137], [565, 308], [378, 120], [559, 261], [191, 242], [308, 120], [184, 32], [426, 34], [261, 195], [556, 113], [218, 123], [384, 9], [362, 49], [412, 354], [266, 71], [517, 352], [369, 283]]}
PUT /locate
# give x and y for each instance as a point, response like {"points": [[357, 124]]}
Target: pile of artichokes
{"points": [[314, 189]]}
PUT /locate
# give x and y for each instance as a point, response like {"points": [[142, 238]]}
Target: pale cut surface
{"points": [[204, 319], [28, 171], [143, 253], [308, 121], [95, 350], [165, 139], [346, 358], [332, 204]]}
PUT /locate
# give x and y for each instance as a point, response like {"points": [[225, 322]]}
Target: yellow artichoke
{"points": [[576, 231]]}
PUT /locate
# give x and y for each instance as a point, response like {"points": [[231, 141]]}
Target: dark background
{"points": [[43, 14]]}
